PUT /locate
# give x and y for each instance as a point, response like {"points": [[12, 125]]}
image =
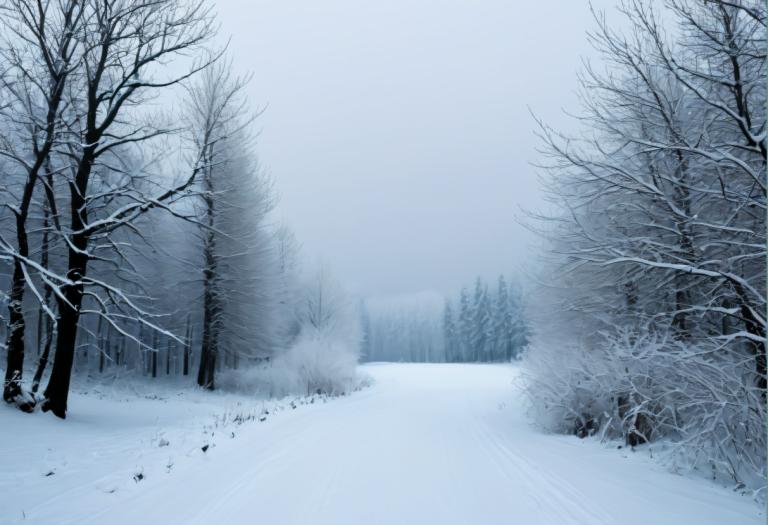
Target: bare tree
{"points": [[40, 53], [658, 254], [234, 199], [325, 302], [123, 43]]}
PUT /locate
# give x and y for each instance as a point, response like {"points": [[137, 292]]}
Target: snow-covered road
{"points": [[427, 444]]}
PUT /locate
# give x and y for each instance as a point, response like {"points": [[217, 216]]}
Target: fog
{"points": [[399, 133], [235, 307]]}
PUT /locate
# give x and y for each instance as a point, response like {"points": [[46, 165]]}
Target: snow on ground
{"points": [[443, 444]]}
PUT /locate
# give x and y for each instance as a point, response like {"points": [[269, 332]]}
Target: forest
{"points": [[135, 232]]}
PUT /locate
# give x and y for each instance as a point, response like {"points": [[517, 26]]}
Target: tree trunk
{"points": [[43, 361], [44, 354], [155, 350], [100, 345], [209, 346], [57, 391], [120, 356], [203, 373], [15, 341], [187, 347], [40, 342], [15, 336]]}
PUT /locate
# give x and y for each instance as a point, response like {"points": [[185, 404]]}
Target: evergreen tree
{"points": [[365, 327], [503, 322], [480, 322], [464, 326], [518, 327], [449, 333]]}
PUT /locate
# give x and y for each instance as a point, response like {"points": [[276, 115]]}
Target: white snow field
{"points": [[426, 444]]}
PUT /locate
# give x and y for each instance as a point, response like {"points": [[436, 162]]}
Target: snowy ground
{"points": [[442, 444]]}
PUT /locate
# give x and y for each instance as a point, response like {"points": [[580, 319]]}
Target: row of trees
{"points": [[654, 325], [133, 228], [486, 326], [403, 329]]}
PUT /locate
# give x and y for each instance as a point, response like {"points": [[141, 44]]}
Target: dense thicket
{"points": [[653, 327]]}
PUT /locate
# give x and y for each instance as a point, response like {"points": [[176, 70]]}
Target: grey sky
{"points": [[398, 132]]}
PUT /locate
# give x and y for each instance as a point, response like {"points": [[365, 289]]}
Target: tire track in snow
{"points": [[555, 497], [425, 444]]}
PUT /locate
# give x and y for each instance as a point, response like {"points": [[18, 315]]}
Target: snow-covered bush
{"points": [[323, 356], [652, 324], [693, 400], [318, 363], [313, 364]]}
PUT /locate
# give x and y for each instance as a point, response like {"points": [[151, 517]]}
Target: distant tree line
{"points": [[486, 325], [404, 329]]}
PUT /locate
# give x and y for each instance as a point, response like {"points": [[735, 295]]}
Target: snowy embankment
{"points": [[446, 444]]}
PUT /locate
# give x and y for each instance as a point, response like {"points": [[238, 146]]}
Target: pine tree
{"points": [[502, 322], [449, 333], [518, 328], [480, 322], [464, 331], [365, 326]]}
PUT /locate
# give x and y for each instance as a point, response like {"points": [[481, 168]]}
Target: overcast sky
{"points": [[399, 132]]}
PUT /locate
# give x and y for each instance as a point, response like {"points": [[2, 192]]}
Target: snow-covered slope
{"points": [[443, 444]]}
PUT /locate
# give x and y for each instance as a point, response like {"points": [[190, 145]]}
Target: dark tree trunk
{"points": [[204, 375], [187, 347], [211, 369], [120, 352], [108, 353], [15, 335], [16, 325], [168, 350], [40, 342], [155, 350], [57, 391], [57, 83], [100, 345], [141, 351], [209, 346], [44, 351], [15, 341], [185, 367], [44, 356]]}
